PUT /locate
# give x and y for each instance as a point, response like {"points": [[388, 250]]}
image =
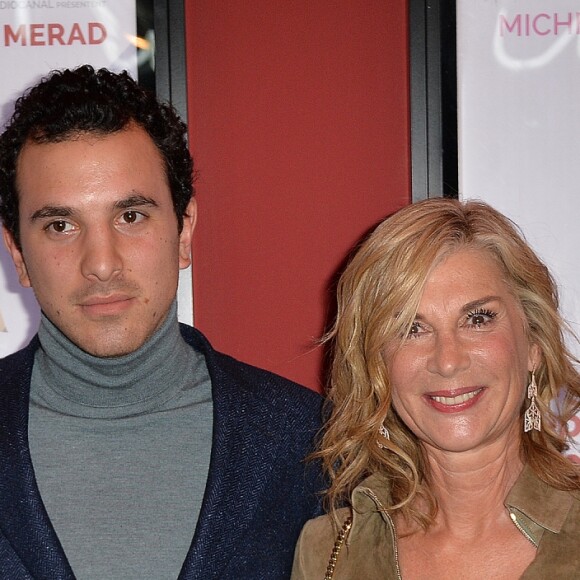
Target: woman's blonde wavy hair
{"points": [[378, 295]]}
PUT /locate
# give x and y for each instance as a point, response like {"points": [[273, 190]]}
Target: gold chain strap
{"points": [[337, 547]]}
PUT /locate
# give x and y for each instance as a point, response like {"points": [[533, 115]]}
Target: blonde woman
{"points": [[443, 453]]}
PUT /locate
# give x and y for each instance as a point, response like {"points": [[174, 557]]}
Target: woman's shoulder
{"points": [[558, 555], [316, 544], [326, 525], [573, 518]]}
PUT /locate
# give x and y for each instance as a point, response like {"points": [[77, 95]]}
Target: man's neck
{"points": [[77, 383]]}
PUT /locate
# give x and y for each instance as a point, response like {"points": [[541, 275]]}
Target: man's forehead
{"points": [[113, 169]]}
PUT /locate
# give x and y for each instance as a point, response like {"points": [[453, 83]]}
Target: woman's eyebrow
{"points": [[469, 306], [480, 302]]}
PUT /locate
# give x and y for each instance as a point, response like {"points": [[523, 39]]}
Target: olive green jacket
{"points": [[547, 517]]}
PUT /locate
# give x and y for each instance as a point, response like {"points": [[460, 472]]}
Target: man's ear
{"points": [[186, 236], [17, 258]]}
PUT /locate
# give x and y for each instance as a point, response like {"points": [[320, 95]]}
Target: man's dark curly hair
{"points": [[70, 102]]}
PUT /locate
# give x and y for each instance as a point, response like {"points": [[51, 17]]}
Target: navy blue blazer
{"points": [[258, 495]]}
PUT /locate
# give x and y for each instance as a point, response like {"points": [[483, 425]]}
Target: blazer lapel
{"points": [[242, 457], [24, 521]]}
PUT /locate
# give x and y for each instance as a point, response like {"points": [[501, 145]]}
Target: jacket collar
{"points": [[541, 506], [371, 495], [241, 425], [24, 522], [374, 492]]}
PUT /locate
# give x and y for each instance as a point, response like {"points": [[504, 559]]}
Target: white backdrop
{"points": [[34, 41], [518, 65]]}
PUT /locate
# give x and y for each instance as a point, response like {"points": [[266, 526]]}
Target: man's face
{"points": [[100, 245]]}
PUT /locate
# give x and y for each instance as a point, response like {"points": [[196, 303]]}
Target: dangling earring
{"points": [[532, 417], [383, 432]]}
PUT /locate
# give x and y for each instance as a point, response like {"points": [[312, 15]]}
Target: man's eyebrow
{"points": [[134, 201], [50, 211]]}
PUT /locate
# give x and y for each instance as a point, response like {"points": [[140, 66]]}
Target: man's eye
{"points": [[59, 226], [132, 217]]}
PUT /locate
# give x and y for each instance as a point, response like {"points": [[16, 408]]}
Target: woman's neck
{"points": [[471, 487]]}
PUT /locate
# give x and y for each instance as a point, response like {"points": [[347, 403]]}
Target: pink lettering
{"points": [[36, 35], [19, 35], [535, 26], [567, 24], [540, 24], [55, 34], [97, 33], [505, 26], [527, 19], [76, 34]]}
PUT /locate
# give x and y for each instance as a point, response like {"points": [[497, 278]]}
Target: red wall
{"points": [[299, 128]]}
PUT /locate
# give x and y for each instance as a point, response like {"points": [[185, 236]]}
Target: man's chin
{"points": [[106, 347]]}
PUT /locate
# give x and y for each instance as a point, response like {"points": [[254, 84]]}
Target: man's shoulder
{"points": [[21, 360], [15, 375], [225, 369]]}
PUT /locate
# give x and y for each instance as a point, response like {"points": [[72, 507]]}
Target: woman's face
{"points": [[460, 377]]}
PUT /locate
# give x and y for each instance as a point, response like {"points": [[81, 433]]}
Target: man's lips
{"points": [[106, 305], [99, 300], [455, 400]]}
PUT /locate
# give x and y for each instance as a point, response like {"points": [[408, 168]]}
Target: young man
{"points": [[129, 448]]}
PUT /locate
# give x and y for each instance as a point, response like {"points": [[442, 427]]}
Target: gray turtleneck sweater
{"points": [[120, 449]]}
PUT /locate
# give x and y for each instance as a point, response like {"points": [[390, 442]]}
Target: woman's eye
{"points": [[480, 318], [414, 330]]}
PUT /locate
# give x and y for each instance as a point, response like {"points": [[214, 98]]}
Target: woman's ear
{"points": [[534, 357]]}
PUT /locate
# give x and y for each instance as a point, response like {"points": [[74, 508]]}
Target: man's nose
{"points": [[101, 259]]}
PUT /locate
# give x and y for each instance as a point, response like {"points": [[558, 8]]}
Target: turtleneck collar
{"points": [[69, 380]]}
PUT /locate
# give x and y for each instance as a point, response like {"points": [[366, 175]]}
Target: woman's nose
{"points": [[449, 356]]}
